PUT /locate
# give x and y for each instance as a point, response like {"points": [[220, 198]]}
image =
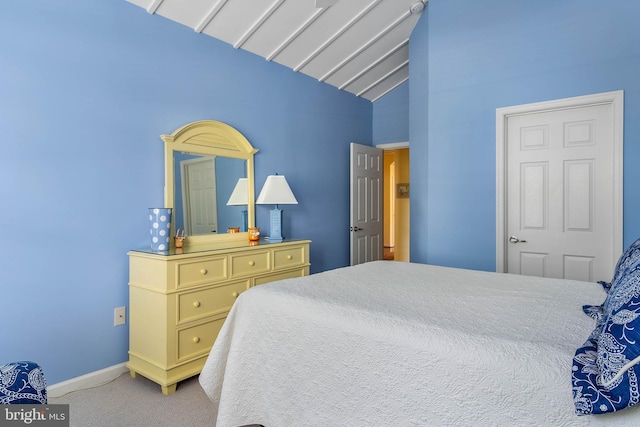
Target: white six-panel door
{"points": [[563, 192], [366, 222], [199, 196]]}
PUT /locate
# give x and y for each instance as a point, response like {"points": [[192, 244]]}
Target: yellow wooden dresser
{"points": [[178, 302]]}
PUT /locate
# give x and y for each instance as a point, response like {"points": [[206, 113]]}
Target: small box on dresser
{"points": [[179, 301]]}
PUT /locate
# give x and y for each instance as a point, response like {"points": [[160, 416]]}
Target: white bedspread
{"points": [[399, 344]]}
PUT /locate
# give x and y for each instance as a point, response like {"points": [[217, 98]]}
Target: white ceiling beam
{"points": [[389, 89], [295, 34], [341, 72], [209, 17], [383, 78], [325, 3], [365, 46], [375, 63], [341, 31], [274, 6], [155, 4]]}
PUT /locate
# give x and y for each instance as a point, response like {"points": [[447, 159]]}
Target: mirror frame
{"points": [[209, 138]]}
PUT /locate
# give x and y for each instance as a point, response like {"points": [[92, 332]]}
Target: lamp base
{"points": [[275, 217]]}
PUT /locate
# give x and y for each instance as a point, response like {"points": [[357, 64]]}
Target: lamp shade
{"points": [[239, 195], [276, 191]]}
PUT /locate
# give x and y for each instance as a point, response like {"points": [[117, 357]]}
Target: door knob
{"points": [[356, 229], [514, 239]]}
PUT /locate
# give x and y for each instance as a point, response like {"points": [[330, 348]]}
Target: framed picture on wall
{"points": [[402, 190]]}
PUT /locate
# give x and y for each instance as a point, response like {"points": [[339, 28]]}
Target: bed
{"points": [[404, 344]]}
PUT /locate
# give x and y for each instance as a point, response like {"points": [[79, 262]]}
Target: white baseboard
{"points": [[92, 379]]}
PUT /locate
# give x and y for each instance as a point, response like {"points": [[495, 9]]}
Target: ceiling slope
{"points": [[360, 46]]}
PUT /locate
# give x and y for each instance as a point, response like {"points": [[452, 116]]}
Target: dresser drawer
{"points": [[288, 257], [198, 340], [298, 272], [248, 264], [179, 302], [206, 302], [202, 270]]}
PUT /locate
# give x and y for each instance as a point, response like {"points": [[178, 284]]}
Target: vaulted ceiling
{"points": [[360, 46]]}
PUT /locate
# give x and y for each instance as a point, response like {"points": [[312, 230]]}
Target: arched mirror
{"points": [[204, 163]]}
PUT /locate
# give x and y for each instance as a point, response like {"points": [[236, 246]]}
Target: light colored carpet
{"points": [[138, 402]]}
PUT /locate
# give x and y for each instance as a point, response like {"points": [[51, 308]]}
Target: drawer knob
{"points": [[252, 263], [235, 294], [203, 271], [196, 304], [289, 257], [196, 340]]}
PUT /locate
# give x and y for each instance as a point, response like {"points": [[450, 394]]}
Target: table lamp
{"points": [[240, 197], [276, 191]]}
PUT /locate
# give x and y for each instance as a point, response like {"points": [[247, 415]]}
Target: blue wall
{"points": [[391, 116], [469, 58], [86, 88]]}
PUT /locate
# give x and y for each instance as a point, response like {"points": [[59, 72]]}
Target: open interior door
{"points": [[366, 223], [199, 195]]}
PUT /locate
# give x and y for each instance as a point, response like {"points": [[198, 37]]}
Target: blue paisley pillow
{"points": [[628, 260], [603, 374], [605, 285], [596, 312], [22, 383]]}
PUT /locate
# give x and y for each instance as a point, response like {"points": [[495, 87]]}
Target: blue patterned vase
{"points": [[160, 228]]}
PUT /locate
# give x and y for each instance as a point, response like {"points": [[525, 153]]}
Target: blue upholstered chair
{"points": [[22, 383]]}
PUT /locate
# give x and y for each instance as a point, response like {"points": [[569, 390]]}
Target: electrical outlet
{"points": [[119, 316]]}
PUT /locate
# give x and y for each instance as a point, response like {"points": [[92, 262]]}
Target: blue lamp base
{"points": [[276, 225], [245, 221]]}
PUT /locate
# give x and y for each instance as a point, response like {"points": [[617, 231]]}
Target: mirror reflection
{"points": [[202, 188], [215, 156]]}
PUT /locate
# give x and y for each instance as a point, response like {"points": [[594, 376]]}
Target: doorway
{"points": [[365, 210], [397, 191], [199, 195], [559, 187]]}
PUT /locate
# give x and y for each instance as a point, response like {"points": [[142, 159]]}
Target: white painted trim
{"points": [[365, 46], [153, 7], [296, 33], [404, 64], [256, 25], [371, 66], [390, 88], [212, 13], [393, 145], [337, 34], [92, 379], [616, 99]]}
